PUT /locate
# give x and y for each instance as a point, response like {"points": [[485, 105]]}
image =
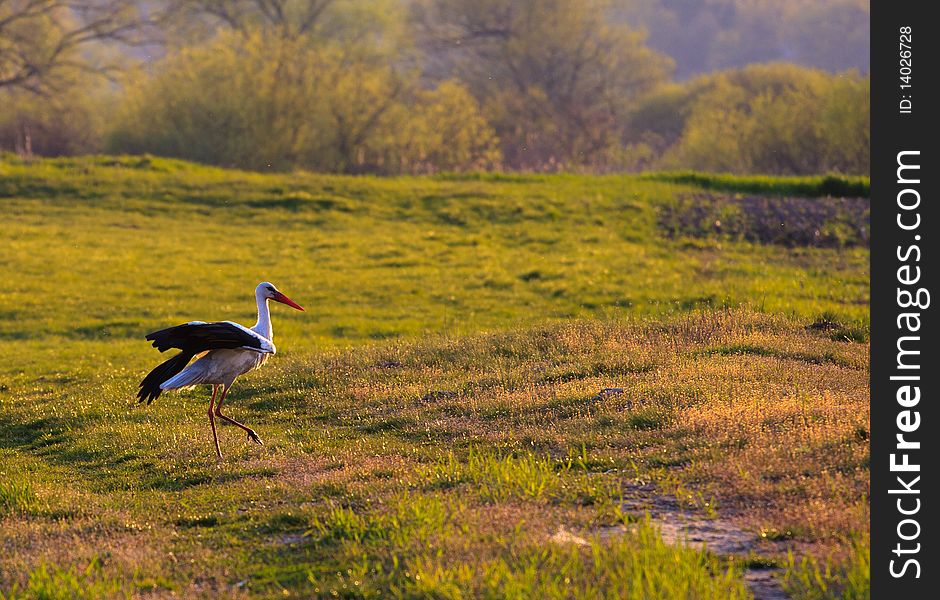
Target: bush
{"points": [[267, 102], [63, 124], [777, 119]]}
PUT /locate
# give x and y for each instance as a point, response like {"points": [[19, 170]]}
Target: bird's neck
{"points": [[263, 326]]}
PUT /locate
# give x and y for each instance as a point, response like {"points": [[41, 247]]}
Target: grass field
{"points": [[497, 378]]}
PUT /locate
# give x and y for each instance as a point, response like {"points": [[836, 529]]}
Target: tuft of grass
{"points": [[840, 330], [51, 582], [496, 478], [405, 521], [17, 495], [809, 578], [499, 478], [758, 562], [624, 567]]}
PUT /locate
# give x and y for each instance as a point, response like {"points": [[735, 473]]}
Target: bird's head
{"points": [[269, 292]]}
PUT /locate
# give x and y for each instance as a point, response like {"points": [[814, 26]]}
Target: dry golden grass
{"points": [[765, 416]]}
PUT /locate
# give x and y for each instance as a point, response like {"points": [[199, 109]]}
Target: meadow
{"points": [[502, 387]]}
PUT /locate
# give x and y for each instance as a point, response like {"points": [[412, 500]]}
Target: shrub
{"points": [[777, 118], [265, 102]]}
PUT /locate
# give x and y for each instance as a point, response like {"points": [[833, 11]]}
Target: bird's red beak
{"points": [[279, 297]]}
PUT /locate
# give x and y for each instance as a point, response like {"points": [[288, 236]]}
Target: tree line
{"points": [[395, 86]]}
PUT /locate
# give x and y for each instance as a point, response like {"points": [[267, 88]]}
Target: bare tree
{"points": [[292, 18], [42, 41], [556, 78]]}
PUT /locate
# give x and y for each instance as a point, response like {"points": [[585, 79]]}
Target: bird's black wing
{"points": [[150, 386], [197, 336]]}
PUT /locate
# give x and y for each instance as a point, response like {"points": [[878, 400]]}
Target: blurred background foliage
{"points": [[422, 86]]}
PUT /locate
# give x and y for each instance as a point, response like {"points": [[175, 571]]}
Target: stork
{"points": [[224, 349]]}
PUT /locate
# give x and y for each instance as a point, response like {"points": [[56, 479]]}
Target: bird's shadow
{"points": [[48, 438]]}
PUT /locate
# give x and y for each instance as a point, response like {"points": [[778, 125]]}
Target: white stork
{"points": [[225, 350]]}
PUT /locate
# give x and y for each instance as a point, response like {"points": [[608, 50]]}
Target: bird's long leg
{"points": [[215, 436], [218, 412]]}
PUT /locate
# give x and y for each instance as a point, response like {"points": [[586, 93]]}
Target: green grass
{"points": [[50, 582], [17, 494], [105, 249], [434, 418], [848, 579]]}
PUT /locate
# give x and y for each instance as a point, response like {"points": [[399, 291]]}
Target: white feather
{"points": [[267, 346], [194, 374]]}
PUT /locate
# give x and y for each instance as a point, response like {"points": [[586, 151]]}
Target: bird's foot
{"points": [[254, 437]]}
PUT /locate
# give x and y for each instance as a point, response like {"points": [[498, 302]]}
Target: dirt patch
{"points": [[765, 584], [717, 535], [822, 222], [678, 525]]}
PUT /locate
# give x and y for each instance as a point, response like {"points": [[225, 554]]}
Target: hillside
{"points": [[509, 386]]}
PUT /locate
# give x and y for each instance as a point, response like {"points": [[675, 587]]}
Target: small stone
{"points": [[563, 536]]}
